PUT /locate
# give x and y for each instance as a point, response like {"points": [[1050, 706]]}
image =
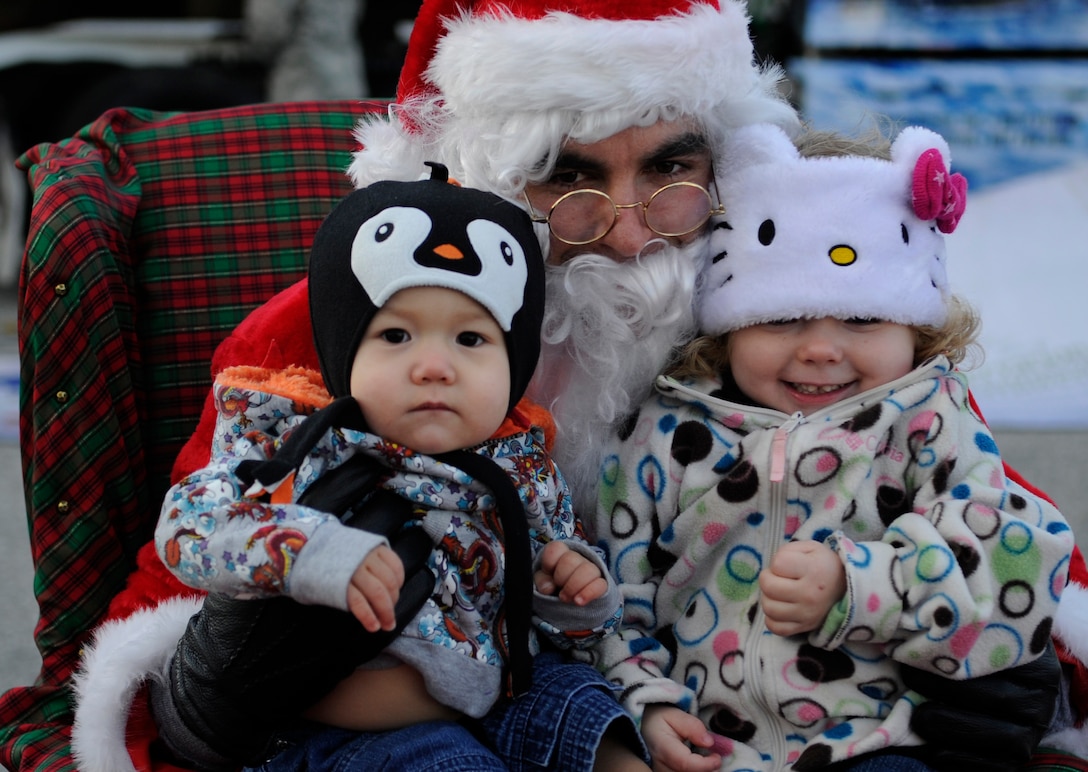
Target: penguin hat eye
{"points": [[383, 248], [384, 231], [403, 227], [504, 267], [495, 244]]}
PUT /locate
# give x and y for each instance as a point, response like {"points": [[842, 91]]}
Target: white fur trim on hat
{"points": [[123, 656], [821, 236], [501, 63]]}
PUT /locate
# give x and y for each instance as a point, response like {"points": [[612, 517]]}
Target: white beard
{"points": [[609, 329]]}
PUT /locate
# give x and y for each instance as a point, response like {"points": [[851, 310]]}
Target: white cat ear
{"points": [[755, 144], [915, 140]]}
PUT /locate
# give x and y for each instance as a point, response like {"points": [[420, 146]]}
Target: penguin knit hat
{"points": [[391, 236]]}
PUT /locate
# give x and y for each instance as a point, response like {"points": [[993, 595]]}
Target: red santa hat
{"points": [[491, 88]]}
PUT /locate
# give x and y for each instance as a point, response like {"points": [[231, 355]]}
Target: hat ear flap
{"points": [[915, 140], [935, 193], [753, 145]]}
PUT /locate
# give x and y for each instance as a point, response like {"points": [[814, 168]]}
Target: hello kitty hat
{"points": [[840, 236]]}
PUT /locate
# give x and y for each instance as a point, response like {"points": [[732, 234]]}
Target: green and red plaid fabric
{"points": [[152, 235], [1051, 760]]}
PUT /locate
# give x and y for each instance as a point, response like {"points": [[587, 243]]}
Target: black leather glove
{"points": [[988, 724], [245, 668]]}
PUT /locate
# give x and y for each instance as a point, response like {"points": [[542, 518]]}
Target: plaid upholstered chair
{"points": [[152, 235]]}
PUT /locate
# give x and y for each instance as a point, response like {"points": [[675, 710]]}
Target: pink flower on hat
{"points": [[938, 195]]}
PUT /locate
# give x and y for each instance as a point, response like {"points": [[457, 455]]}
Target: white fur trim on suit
{"points": [[1071, 629], [1071, 740], [123, 656], [1071, 621]]}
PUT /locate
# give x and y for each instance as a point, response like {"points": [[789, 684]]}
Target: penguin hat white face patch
{"points": [[404, 246]]}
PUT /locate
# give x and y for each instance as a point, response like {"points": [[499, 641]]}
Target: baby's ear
{"points": [[753, 145]]}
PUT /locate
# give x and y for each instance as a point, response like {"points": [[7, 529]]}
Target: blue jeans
{"points": [[888, 762], [558, 725], [437, 746]]}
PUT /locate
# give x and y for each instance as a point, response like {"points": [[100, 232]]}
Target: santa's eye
{"points": [[385, 230], [766, 232]]}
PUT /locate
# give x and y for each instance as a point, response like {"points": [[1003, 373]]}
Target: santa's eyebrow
{"points": [[577, 161], [687, 144]]}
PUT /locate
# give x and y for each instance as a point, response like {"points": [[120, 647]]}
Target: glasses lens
{"points": [[678, 209], [582, 216]]}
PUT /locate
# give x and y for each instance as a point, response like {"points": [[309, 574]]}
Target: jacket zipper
{"points": [[777, 525], [778, 447]]}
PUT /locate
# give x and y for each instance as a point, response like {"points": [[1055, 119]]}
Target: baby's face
{"points": [[432, 372]]}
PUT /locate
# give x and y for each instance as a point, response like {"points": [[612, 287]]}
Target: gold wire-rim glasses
{"points": [[711, 210]]}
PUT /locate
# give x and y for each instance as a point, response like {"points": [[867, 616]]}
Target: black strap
{"points": [[340, 413], [360, 476]]}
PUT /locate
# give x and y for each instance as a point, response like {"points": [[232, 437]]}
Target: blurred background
{"points": [[62, 65], [1005, 81]]}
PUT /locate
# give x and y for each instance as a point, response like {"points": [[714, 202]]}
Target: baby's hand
{"points": [[569, 574], [668, 731], [804, 580], [374, 589]]}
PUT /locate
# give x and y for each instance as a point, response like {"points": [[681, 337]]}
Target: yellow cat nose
{"points": [[842, 255]]}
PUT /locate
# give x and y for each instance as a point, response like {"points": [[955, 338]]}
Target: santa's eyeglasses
{"points": [[586, 215]]}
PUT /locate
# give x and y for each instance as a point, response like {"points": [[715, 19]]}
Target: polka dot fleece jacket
{"points": [[950, 566]]}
